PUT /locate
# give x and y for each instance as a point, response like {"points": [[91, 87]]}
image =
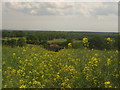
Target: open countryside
{"points": [[53, 59]]}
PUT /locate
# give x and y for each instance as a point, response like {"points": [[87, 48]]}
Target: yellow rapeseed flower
{"points": [[18, 57], [14, 54], [116, 51], [21, 81], [106, 83], [23, 86], [5, 86], [85, 40], [24, 50], [69, 44], [109, 39], [3, 62], [20, 71], [108, 61], [9, 68], [13, 70], [30, 82]]}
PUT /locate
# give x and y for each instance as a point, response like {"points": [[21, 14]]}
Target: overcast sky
{"points": [[88, 16]]}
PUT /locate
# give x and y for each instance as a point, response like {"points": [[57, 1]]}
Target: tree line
{"points": [[95, 40]]}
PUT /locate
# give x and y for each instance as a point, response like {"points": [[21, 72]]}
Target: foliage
{"points": [[12, 42], [95, 40], [21, 42], [15, 42], [78, 44], [110, 44], [97, 43], [50, 35]]}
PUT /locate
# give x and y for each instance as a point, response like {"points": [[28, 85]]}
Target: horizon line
{"points": [[57, 30]]}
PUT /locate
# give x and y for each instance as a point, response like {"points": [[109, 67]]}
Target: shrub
{"points": [[12, 42], [78, 45], [21, 42], [97, 42], [110, 43]]}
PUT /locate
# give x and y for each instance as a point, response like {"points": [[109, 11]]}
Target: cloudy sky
{"points": [[74, 16]]}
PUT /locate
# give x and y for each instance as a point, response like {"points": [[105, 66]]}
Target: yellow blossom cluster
{"points": [[85, 40], [69, 44], [109, 39]]}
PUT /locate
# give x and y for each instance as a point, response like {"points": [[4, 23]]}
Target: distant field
{"points": [[57, 41], [9, 38], [35, 67]]}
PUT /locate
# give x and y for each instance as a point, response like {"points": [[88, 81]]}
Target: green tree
{"points": [[12, 42], [21, 42], [97, 42]]}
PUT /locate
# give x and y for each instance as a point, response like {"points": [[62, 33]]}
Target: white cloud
{"points": [[33, 12], [60, 0], [65, 8], [62, 16]]}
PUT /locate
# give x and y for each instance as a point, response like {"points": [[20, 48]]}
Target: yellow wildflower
{"points": [[108, 61], [23, 86], [5, 86], [109, 39], [116, 51], [3, 62], [106, 83], [85, 40], [14, 54], [69, 44], [21, 81]]}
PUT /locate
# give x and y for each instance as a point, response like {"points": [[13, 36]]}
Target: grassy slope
{"points": [[33, 66]]}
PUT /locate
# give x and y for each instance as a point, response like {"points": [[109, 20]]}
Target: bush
{"points": [[110, 44], [97, 42], [21, 42], [78, 45], [12, 42]]}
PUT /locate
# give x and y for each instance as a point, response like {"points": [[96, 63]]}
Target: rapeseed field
{"points": [[35, 67]]}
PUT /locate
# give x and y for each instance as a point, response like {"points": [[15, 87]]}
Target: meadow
{"points": [[33, 66], [39, 59]]}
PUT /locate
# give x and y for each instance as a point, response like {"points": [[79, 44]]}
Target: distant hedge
{"points": [[15, 42]]}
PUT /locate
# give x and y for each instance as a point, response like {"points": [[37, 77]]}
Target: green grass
{"points": [[35, 67]]}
